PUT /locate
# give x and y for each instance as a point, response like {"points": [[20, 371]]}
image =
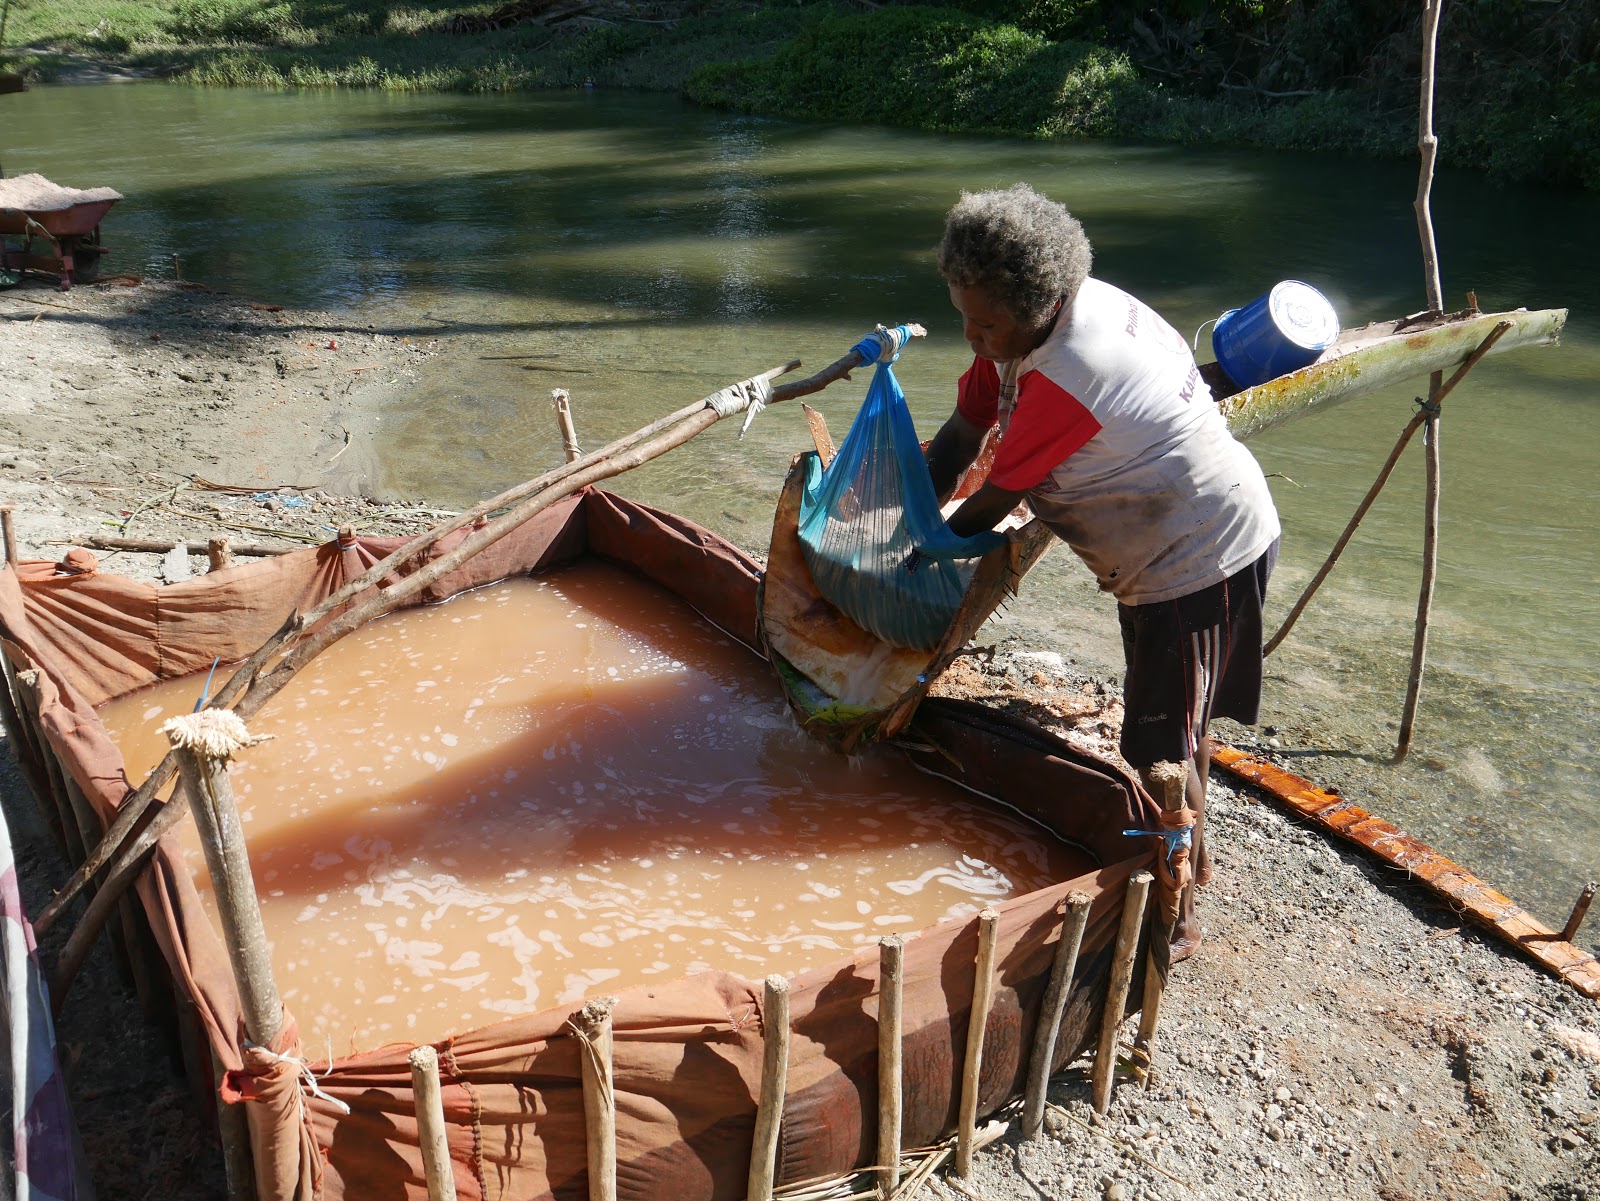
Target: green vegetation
{"points": [[1519, 88]]}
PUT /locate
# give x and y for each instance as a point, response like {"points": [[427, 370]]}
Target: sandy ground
{"points": [[1339, 1035]]}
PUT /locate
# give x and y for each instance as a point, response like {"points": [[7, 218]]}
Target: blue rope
{"points": [[1176, 840], [205, 693]]}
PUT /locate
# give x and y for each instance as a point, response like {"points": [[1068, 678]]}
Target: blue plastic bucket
{"points": [[1278, 332]]}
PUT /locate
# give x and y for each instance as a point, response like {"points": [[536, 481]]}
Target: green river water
{"points": [[641, 253]]}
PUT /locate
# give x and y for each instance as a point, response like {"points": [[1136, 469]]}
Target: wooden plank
{"points": [[1465, 892], [1377, 356]]}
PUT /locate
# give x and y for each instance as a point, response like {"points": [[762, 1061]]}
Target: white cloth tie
{"points": [[748, 396]]}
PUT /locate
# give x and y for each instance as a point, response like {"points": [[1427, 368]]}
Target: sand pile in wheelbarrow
{"points": [[36, 194]]}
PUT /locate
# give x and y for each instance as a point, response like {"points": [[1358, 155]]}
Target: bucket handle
{"points": [[1195, 345]]}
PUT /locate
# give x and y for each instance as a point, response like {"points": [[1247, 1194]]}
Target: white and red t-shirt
{"points": [[1114, 436]]}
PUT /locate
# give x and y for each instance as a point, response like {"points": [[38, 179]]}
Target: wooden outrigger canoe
{"points": [[848, 686], [1377, 356]]}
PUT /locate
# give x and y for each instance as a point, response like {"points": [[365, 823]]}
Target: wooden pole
{"points": [[160, 546], [233, 1123], [130, 861], [1055, 1004], [304, 636], [218, 553], [569, 432], [592, 1025], [55, 786], [246, 690], [1175, 876], [1428, 145], [774, 1086], [891, 993], [977, 1027], [204, 742], [432, 1133], [1105, 1060], [10, 535], [24, 745], [1430, 575], [127, 940], [1580, 910]]}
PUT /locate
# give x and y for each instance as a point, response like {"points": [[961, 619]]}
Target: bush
{"points": [[932, 68], [258, 21]]}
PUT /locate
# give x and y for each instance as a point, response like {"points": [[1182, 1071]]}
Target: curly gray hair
{"points": [[1024, 249]]}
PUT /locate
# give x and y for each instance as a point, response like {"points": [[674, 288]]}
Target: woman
{"points": [[1111, 436]]}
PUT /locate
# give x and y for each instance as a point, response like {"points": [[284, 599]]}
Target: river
{"points": [[642, 253]]}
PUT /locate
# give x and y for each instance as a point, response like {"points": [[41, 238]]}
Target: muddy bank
{"points": [[112, 394], [1339, 1035]]}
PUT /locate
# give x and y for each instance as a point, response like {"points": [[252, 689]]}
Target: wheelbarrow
{"points": [[45, 227]]}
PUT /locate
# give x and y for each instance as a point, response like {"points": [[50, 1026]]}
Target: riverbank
{"points": [[1339, 1035], [1515, 96]]}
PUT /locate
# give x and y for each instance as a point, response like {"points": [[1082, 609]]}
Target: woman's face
{"points": [[993, 332]]}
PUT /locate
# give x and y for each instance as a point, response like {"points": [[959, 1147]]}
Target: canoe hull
{"points": [[1379, 356]]}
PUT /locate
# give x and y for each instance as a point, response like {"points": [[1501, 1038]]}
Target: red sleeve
{"points": [[978, 394], [1047, 426]]}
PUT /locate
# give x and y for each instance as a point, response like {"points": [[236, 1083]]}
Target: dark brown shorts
{"points": [[1189, 660]]}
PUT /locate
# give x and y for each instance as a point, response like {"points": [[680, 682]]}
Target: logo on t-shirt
{"points": [[1141, 315]]}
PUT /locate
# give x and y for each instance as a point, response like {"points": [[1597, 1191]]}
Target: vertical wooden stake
{"points": [[569, 432], [219, 553], [1430, 574], [891, 992], [1173, 777], [1428, 145], [592, 1024], [204, 742], [10, 535], [1580, 910], [432, 1133], [977, 1026], [774, 1086], [127, 937], [23, 746], [1105, 1059], [55, 784], [233, 1127], [1054, 1005]]}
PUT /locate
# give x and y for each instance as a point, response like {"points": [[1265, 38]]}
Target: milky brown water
{"points": [[546, 789]]}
